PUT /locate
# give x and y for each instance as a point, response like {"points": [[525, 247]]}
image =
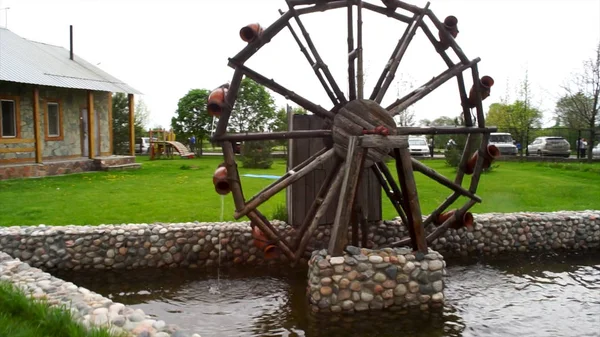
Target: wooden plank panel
{"points": [[36, 125], [17, 141], [17, 149], [300, 153]]}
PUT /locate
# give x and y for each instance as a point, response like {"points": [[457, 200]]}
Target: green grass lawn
{"points": [[22, 317], [181, 190]]}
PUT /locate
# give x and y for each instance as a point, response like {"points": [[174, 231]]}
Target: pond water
{"points": [[541, 295]]}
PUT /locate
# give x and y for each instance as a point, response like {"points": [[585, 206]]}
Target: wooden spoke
{"points": [[403, 5], [319, 199], [461, 82], [312, 63], [433, 174], [294, 176], [395, 199], [443, 130], [271, 84], [319, 64], [232, 175], [351, 56], [229, 102], [389, 12], [411, 198], [329, 198], [352, 172], [274, 135], [424, 90], [444, 226], [389, 72], [359, 56], [478, 105], [308, 2], [467, 152], [479, 165], [322, 6]]}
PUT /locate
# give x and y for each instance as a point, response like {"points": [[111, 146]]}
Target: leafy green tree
{"points": [[516, 118], [191, 117], [120, 117], [254, 109]]}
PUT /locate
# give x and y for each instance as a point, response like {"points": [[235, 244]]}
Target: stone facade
{"points": [[53, 168], [71, 101], [364, 279]]}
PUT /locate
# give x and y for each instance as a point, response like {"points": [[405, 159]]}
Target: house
{"points": [[55, 111]]}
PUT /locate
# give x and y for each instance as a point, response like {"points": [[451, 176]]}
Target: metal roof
{"points": [[26, 61]]}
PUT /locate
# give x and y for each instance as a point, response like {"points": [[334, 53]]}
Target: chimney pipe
{"points": [[71, 38]]}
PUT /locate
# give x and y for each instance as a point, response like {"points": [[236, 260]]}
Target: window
{"points": [[8, 119], [53, 121]]}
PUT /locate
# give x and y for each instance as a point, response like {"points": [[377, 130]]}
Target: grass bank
{"points": [[22, 317], [181, 190]]}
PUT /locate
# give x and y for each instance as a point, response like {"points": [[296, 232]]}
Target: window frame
{"points": [[17, 111], [47, 135]]}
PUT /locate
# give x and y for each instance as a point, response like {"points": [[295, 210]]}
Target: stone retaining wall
{"points": [[365, 279], [196, 244], [86, 306]]}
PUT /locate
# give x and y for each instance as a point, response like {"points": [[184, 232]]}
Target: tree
{"points": [[191, 117], [120, 118], [580, 103], [405, 117], [254, 109]]}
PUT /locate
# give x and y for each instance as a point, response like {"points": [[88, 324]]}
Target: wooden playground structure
{"points": [[163, 145], [360, 133]]}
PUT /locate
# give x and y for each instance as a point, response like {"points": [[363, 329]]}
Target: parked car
{"points": [[596, 151], [142, 145], [504, 142], [549, 146], [418, 146]]}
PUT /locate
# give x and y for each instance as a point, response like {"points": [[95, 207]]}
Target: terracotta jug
{"points": [[450, 24], [216, 101], [491, 154], [251, 32], [220, 181]]}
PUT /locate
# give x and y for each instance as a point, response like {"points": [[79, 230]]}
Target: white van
{"points": [[504, 142], [417, 145]]}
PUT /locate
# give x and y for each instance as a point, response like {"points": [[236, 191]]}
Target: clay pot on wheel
{"points": [[491, 154]]}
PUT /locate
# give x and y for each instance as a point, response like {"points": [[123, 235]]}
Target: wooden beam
{"points": [[433, 174], [449, 130], [271, 235], [411, 198], [230, 98], [378, 141], [352, 171], [36, 125], [131, 124], [233, 176], [268, 193], [17, 140], [273, 135], [389, 12], [17, 149], [110, 124], [390, 192], [91, 124]]}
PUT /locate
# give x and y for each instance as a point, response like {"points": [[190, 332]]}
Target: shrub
{"points": [[257, 155], [280, 213]]}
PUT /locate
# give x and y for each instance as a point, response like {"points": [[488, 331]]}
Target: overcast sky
{"points": [[165, 48]]}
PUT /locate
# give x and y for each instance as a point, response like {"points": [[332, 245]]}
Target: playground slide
{"points": [[183, 151]]}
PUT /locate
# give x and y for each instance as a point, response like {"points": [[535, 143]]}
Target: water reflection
{"points": [[543, 295]]}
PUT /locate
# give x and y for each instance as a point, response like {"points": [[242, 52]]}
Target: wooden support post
{"points": [[232, 175], [411, 198], [352, 171], [234, 87], [110, 124], [91, 125], [36, 125], [359, 52], [391, 190], [131, 125]]}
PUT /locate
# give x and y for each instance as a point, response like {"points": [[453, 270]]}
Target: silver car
{"points": [[549, 146], [596, 151]]}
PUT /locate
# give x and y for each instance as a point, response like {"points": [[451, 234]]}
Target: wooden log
{"points": [[389, 12], [378, 141], [478, 105], [233, 176], [396, 200], [271, 235], [391, 67], [479, 165], [230, 98], [460, 173], [364, 232], [403, 103], [444, 226], [447, 36], [352, 172], [271, 84], [319, 64], [247, 136], [332, 193], [411, 198], [293, 3], [359, 52], [403, 5], [322, 7], [268, 193], [433, 174], [319, 199], [311, 63], [451, 130], [351, 55]]}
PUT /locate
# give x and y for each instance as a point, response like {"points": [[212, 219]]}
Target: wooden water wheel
{"points": [[360, 132]]}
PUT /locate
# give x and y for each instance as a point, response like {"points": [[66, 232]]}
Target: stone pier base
{"points": [[364, 279]]}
